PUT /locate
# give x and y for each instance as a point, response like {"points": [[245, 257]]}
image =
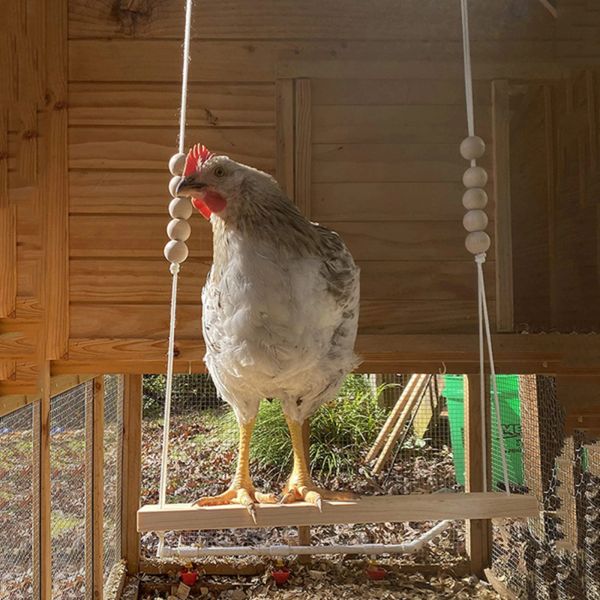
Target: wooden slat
{"points": [[264, 60], [303, 111], [45, 511], [8, 232], [378, 509], [383, 200], [98, 488], [503, 223], [156, 105], [477, 471], [392, 418], [133, 281], [55, 183], [387, 20], [284, 92], [131, 474], [137, 235], [374, 162], [150, 148], [412, 91], [394, 124]]}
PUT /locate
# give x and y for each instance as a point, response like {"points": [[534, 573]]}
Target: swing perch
{"points": [[429, 507]]}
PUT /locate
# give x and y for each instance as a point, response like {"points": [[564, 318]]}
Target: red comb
{"points": [[196, 157]]}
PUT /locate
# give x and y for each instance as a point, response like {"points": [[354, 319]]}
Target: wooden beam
{"points": [[55, 182], [302, 146], [98, 488], [131, 468], [45, 584], [284, 134], [377, 509], [502, 221], [479, 531]]}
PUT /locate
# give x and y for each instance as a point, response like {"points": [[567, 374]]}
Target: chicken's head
{"points": [[210, 181]]}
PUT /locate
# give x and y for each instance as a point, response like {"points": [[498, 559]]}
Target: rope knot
{"points": [[480, 258]]}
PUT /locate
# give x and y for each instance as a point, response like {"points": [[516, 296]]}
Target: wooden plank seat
{"points": [[376, 509]]}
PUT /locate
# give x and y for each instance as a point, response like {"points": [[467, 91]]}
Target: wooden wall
{"points": [[387, 115], [375, 154]]}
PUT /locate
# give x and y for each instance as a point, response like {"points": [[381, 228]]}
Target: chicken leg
{"points": [[300, 485], [241, 490]]}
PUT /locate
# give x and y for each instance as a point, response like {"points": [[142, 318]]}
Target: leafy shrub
{"points": [[340, 434]]}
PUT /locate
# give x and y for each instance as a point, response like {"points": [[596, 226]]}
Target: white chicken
{"points": [[280, 311]]}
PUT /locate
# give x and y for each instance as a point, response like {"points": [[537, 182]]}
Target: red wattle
{"points": [[202, 208]]}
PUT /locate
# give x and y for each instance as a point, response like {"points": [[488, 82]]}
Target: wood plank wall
{"points": [[385, 169]]}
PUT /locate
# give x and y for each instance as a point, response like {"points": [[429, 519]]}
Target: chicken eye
{"points": [[219, 171]]}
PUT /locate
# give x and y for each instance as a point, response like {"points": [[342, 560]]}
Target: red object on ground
{"points": [[280, 576], [376, 573], [189, 577]]}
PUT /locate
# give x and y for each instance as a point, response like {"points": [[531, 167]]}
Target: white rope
{"points": [[185, 73], [174, 268], [484, 320]]}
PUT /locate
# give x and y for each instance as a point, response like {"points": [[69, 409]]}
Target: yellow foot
{"points": [[309, 492], [245, 496]]}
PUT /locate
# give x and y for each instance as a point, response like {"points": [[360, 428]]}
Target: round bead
{"points": [[474, 198], [478, 242], [475, 177], [177, 163], [173, 185], [180, 208], [176, 252], [472, 147], [179, 229], [474, 220]]}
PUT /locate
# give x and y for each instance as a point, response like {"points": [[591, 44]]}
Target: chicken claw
{"points": [[313, 495], [247, 498]]}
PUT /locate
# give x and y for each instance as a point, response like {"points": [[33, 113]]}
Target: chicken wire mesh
{"points": [[18, 482], [113, 428], [69, 479], [556, 555], [203, 455]]}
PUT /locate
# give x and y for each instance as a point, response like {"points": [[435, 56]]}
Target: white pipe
{"points": [[287, 550]]}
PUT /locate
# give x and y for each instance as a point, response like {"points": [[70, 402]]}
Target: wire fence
{"points": [[113, 428], [68, 481], [18, 480], [203, 454], [557, 555]]}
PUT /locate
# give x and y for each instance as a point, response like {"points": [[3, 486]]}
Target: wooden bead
{"points": [[475, 198], [173, 185], [475, 177], [176, 252], [472, 147], [179, 229], [478, 242], [177, 163], [474, 220], [181, 208]]}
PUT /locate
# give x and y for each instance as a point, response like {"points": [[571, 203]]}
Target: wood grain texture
{"points": [[417, 507], [284, 131], [303, 135], [150, 148], [387, 20], [502, 221], [157, 105], [255, 60], [55, 184], [8, 228]]}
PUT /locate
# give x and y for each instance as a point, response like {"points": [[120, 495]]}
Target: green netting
{"points": [[508, 395]]}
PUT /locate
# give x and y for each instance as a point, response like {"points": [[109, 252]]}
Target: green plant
{"points": [[341, 432]]}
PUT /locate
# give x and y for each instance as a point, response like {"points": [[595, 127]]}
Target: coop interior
{"points": [[468, 483]]}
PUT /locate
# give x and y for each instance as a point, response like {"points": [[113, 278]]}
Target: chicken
{"points": [[280, 311]]}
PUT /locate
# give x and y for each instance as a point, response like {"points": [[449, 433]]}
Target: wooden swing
{"points": [[431, 507]]}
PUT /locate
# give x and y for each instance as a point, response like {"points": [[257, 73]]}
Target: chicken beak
{"points": [[189, 184]]}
